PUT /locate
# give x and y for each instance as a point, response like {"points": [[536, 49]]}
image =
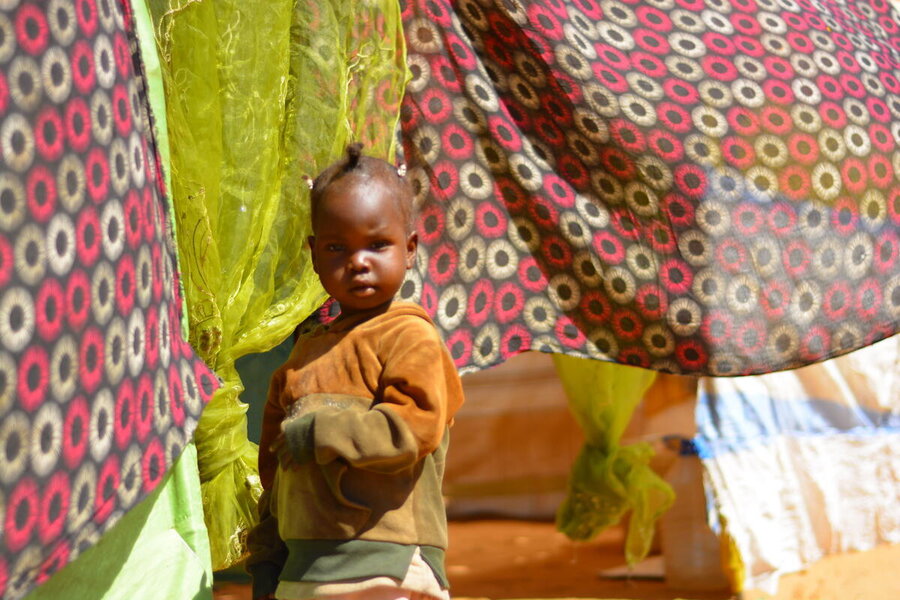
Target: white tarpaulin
{"points": [[805, 463]]}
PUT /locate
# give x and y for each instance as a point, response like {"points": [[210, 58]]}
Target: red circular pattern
{"points": [[617, 140], [81, 278]]}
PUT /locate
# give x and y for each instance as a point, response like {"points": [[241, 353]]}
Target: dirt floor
{"points": [[502, 559]]}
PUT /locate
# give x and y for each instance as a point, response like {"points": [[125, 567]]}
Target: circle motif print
{"points": [[690, 186], [76, 282]]}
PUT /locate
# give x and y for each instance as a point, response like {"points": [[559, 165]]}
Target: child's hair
{"points": [[356, 164]]}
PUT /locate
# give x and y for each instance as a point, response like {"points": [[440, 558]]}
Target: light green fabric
{"points": [[608, 480], [143, 26], [260, 93], [158, 550]]}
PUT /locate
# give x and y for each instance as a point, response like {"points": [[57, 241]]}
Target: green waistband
{"points": [[335, 560]]}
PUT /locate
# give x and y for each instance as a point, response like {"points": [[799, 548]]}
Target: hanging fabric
{"points": [[823, 439], [99, 391], [692, 186], [609, 480]]}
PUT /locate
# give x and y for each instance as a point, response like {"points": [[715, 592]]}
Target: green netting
{"points": [[258, 94], [608, 480]]}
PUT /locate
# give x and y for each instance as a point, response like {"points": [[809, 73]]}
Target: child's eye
{"points": [[379, 245], [334, 247]]}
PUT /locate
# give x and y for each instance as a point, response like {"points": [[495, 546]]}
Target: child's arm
{"points": [[420, 391]]}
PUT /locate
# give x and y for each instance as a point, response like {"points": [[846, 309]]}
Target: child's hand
{"points": [[280, 449]]}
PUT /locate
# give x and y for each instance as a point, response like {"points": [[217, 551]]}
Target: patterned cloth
{"points": [[693, 186], [99, 392]]}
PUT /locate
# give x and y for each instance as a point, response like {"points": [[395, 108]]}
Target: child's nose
{"points": [[359, 261]]}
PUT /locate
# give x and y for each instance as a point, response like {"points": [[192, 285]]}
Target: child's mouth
{"points": [[362, 290]]}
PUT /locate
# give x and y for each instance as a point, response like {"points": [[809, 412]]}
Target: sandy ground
{"points": [[525, 559]]}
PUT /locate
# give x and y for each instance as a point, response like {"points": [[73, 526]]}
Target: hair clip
{"points": [[401, 170], [309, 181]]}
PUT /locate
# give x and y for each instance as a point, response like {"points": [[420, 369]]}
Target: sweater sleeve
{"points": [[420, 390], [273, 415], [419, 382]]}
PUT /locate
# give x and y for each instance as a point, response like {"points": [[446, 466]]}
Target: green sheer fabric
{"points": [[260, 93], [609, 480]]}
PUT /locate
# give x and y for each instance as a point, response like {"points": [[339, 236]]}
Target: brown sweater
{"points": [[364, 404]]}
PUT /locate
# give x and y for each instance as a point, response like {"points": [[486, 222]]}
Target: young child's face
{"points": [[361, 246]]}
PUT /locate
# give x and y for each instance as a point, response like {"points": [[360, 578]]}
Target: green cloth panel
{"points": [[143, 25], [332, 560], [609, 480], [159, 550], [258, 94]]}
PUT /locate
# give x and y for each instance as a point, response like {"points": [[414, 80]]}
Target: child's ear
{"points": [[311, 240], [412, 243]]}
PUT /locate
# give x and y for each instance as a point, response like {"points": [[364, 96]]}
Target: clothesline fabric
{"points": [[99, 390], [692, 186]]}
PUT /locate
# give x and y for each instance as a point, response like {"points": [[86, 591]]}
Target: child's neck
{"points": [[352, 318]]}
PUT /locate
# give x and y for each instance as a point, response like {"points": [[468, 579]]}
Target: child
{"points": [[355, 426]]}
